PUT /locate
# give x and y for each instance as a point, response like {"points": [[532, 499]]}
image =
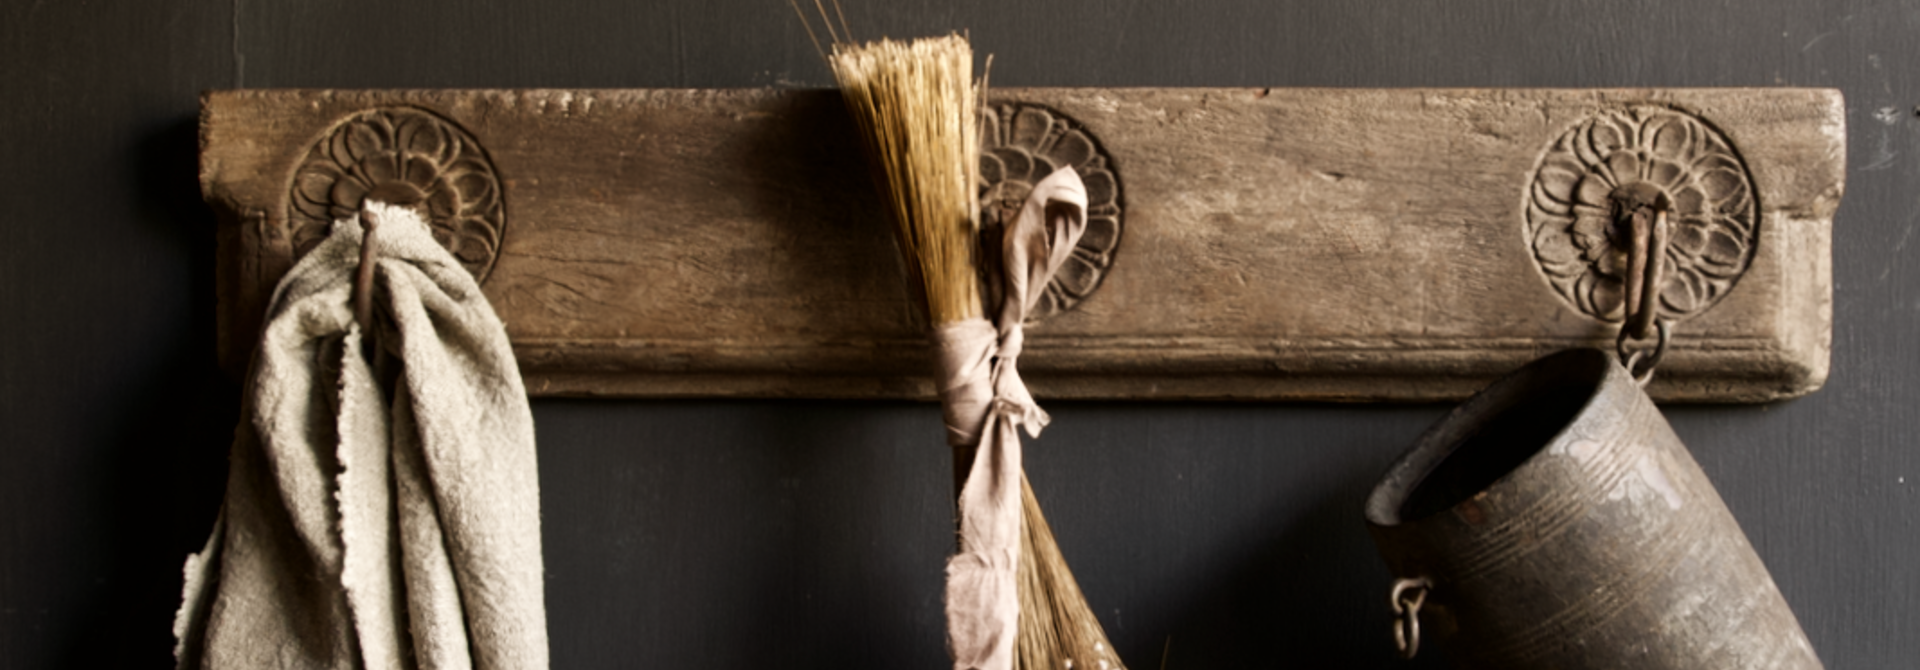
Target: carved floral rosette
{"points": [[1022, 144], [1569, 209], [403, 156]]}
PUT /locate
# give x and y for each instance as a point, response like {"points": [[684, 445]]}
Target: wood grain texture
{"points": [[1276, 243]]}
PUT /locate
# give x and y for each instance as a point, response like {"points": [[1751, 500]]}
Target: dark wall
{"points": [[811, 534]]}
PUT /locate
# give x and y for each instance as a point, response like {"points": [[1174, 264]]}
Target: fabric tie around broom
{"points": [[986, 404], [378, 514]]}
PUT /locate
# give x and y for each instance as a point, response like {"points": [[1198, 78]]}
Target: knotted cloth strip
{"points": [[986, 404], [383, 514]]}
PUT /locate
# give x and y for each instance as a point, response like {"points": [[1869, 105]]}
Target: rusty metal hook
{"points": [[1641, 209], [363, 281]]}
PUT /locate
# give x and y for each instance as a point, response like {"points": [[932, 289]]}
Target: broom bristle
{"points": [[914, 103], [1058, 631]]}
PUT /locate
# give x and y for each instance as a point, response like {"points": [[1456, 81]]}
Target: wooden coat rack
{"points": [[1247, 244]]}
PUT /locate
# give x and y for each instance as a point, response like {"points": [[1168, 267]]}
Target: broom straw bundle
{"points": [[916, 106]]}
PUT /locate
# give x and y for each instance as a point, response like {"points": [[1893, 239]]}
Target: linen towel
{"points": [[382, 506], [986, 404]]}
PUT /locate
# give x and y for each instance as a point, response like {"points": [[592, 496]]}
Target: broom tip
{"points": [[1058, 630]]}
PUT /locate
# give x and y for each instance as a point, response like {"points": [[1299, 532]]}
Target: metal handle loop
{"points": [[1642, 370], [1408, 595]]}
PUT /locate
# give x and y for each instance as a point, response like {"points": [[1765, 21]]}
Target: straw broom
{"points": [[916, 107]]}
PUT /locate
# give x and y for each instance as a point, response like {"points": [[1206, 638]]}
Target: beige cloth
{"points": [[986, 404], [380, 515]]}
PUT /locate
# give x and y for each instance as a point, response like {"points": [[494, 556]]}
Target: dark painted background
{"points": [[811, 534]]}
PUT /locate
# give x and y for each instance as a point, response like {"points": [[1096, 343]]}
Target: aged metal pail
{"points": [[1555, 521]]}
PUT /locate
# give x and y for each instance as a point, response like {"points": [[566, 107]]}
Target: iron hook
{"points": [[363, 281]]}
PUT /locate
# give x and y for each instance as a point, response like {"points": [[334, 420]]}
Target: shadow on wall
{"points": [[1304, 586], [1291, 600], [168, 441], [741, 534], [1227, 535], [852, 569]]}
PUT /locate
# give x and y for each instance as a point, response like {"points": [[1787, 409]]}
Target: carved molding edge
{"points": [[1021, 144], [1569, 220], [404, 156]]}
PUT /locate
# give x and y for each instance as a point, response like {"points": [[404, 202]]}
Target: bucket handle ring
{"points": [[1640, 362], [1408, 595]]}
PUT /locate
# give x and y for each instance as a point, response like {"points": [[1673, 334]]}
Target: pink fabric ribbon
{"points": [[986, 404]]}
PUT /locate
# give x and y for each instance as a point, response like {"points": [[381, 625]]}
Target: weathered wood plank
{"points": [[1273, 244]]}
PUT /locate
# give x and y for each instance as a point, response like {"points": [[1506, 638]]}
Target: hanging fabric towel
{"points": [[986, 404], [381, 514]]}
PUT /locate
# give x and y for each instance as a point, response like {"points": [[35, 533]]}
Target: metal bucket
{"points": [[1555, 521]]}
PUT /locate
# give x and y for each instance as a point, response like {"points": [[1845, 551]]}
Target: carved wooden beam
{"points": [[1246, 243]]}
